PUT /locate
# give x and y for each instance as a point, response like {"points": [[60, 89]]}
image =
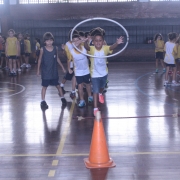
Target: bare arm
{"points": [[39, 61], [69, 69], [59, 62], [118, 41], [6, 48], [86, 45], [18, 48]]}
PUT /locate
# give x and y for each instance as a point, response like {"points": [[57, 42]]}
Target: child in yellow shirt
{"points": [[12, 51], [159, 51], [27, 44]]}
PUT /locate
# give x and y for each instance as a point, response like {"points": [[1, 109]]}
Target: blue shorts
{"points": [[98, 83], [159, 55], [171, 65], [49, 82], [12, 57], [27, 54], [83, 79]]}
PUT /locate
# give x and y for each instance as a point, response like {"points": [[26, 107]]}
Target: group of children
{"points": [[83, 71], [171, 59], [15, 51]]}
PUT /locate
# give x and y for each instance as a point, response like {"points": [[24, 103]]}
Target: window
{"points": [[67, 1], [1, 2]]}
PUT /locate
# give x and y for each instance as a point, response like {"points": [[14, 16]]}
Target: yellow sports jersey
{"points": [[177, 56], [68, 47], [159, 46], [27, 46], [38, 46], [98, 65], [12, 46]]}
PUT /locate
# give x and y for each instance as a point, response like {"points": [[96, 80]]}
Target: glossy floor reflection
{"points": [[141, 122]]}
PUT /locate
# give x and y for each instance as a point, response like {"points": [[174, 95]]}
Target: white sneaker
{"points": [[19, 70], [23, 65], [28, 66], [174, 83], [165, 83]]}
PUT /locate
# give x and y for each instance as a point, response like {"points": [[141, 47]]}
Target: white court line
{"points": [[23, 89]]}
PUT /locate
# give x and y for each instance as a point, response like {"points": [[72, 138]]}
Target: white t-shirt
{"points": [[170, 50], [81, 65]]}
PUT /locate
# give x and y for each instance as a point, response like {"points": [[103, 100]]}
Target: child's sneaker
{"points": [[95, 111], [28, 66], [23, 65], [101, 98], [174, 83], [14, 74], [82, 104], [165, 83], [63, 101], [11, 73], [44, 105], [19, 70], [164, 69], [72, 95], [156, 70], [90, 100]]}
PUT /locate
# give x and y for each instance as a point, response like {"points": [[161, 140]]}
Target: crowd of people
{"points": [[15, 51], [85, 72], [169, 55]]}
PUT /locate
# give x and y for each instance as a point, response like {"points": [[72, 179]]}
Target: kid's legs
{"points": [[173, 77], [12, 66], [18, 64], [73, 92], [27, 60], [61, 95], [162, 64], [44, 105], [22, 60], [81, 94], [98, 87]]}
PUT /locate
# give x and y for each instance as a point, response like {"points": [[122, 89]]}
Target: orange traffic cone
{"points": [[98, 156]]}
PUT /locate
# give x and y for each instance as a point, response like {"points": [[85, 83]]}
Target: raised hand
{"points": [[120, 40]]}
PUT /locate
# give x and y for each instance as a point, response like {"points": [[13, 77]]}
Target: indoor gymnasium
{"points": [[89, 90]]}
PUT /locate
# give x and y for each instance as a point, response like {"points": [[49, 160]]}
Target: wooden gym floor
{"points": [[140, 119]]}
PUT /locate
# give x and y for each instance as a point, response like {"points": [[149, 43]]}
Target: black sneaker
{"points": [[72, 95], [64, 92], [44, 105], [10, 73], [63, 102], [14, 74]]}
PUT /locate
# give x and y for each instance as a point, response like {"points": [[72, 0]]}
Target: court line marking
{"points": [[86, 154], [64, 135], [55, 162], [79, 118], [23, 89], [51, 173], [2, 90], [146, 94]]}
